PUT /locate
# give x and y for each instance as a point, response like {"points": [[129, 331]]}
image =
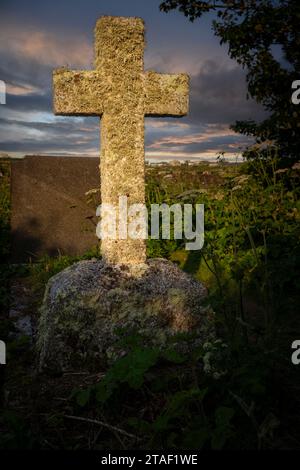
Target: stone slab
{"points": [[50, 214]]}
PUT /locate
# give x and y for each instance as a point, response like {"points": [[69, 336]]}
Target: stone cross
{"points": [[122, 94]]}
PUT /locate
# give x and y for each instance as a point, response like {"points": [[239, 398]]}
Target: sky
{"points": [[38, 36]]}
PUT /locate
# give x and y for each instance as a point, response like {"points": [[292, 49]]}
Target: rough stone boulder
{"points": [[87, 305]]}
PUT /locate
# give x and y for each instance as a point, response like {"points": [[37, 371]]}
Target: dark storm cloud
{"points": [[31, 102], [46, 146], [219, 95], [17, 71], [50, 137], [78, 126], [28, 83], [24, 70]]}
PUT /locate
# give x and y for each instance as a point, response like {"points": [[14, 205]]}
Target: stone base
{"points": [[86, 304]]}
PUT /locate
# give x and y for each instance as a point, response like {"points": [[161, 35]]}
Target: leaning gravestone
{"points": [[85, 304]]}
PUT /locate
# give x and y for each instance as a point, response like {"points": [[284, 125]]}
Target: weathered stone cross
{"points": [[122, 94]]}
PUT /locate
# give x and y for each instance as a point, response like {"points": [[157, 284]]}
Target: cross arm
{"points": [[166, 94], [78, 92]]}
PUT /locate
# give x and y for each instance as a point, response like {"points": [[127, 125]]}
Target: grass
{"points": [[238, 392]]}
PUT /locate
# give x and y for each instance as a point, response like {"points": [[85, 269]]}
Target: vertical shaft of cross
{"points": [[119, 56], [122, 94]]}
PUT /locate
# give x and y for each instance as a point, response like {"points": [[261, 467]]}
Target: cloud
{"points": [[219, 95], [48, 146], [47, 48], [17, 90], [210, 138], [209, 133], [29, 102], [50, 137], [217, 99], [28, 59]]}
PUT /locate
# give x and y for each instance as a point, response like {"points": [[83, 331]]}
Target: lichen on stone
{"points": [[86, 304], [122, 94]]}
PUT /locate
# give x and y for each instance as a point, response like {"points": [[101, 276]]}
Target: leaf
{"points": [[130, 369], [196, 438], [218, 440], [173, 356], [223, 416], [139, 425], [83, 397], [176, 408], [223, 430]]}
